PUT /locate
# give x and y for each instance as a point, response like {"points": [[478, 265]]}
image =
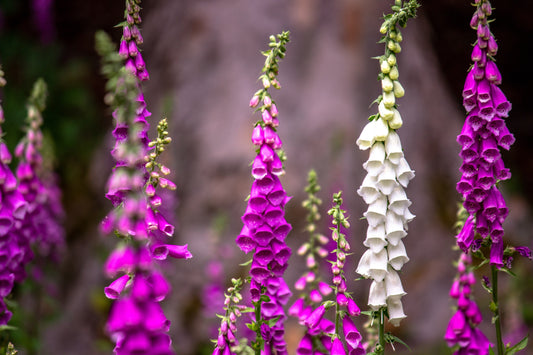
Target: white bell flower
{"points": [[389, 100], [368, 189], [386, 113], [394, 228], [396, 120], [397, 255], [398, 201], [387, 178], [395, 310], [377, 211], [377, 297], [393, 147], [374, 164], [375, 238], [393, 284], [373, 265], [404, 173]]}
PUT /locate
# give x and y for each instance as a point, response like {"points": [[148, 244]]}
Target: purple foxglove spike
{"points": [[252, 219], [114, 290], [471, 205], [478, 194], [259, 273], [267, 153], [500, 102], [492, 73], [257, 133], [475, 120], [489, 150], [245, 241], [160, 286], [470, 87], [477, 53], [305, 347], [465, 185], [257, 201], [490, 205], [276, 166], [505, 139], [485, 178], [482, 225], [259, 167], [263, 255], [267, 117], [123, 49], [496, 253], [483, 91], [467, 136], [272, 215], [315, 317], [495, 126], [337, 348], [479, 72], [263, 235], [486, 110]]}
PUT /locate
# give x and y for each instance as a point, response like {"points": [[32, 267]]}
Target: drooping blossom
{"points": [[265, 227], [462, 332], [388, 174], [136, 322], [483, 134]]}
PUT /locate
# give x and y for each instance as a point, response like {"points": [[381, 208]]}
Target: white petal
{"points": [[404, 172], [378, 265], [377, 211], [384, 112], [395, 310], [375, 238], [398, 201], [368, 189], [374, 164], [393, 147], [397, 255], [363, 268], [407, 217], [382, 129], [396, 120], [387, 178], [388, 100], [366, 138], [394, 228], [377, 297], [393, 284]]}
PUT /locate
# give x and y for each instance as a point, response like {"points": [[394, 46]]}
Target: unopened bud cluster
{"points": [[228, 325]]}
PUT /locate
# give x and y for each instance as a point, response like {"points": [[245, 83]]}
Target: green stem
{"points": [[497, 322], [381, 341], [259, 340]]}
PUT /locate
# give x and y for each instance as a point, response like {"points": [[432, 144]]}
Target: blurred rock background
{"points": [[204, 58]]}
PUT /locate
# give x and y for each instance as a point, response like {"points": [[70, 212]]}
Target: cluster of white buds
{"points": [[388, 173]]}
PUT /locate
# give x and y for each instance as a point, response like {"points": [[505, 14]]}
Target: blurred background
{"points": [[204, 57]]}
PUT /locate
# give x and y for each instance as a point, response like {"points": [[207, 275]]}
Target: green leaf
{"points": [[491, 351], [521, 345], [246, 263], [389, 338], [507, 271]]}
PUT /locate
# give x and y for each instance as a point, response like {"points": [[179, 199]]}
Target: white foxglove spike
{"points": [[393, 284], [375, 238], [374, 164], [394, 228], [387, 178], [377, 297], [396, 120], [369, 190], [395, 310], [398, 201], [393, 147], [377, 211], [397, 255], [404, 172]]}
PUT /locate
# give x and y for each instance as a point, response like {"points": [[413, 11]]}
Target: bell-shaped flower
{"points": [[257, 201], [375, 238], [398, 201], [265, 184], [492, 73], [397, 255], [368, 189], [114, 290], [373, 265], [394, 228], [245, 241], [396, 121], [393, 147], [305, 347], [377, 211], [505, 138], [470, 87], [393, 284], [276, 166], [386, 180], [263, 235], [500, 102], [160, 286], [377, 296], [484, 91], [489, 150], [404, 173], [486, 110], [259, 167], [251, 218], [389, 100], [374, 164], [385, 109], [277, 195], [162, 251], [395, 310], [466, 137], [337, 348], [351, 334], [266, 153]]}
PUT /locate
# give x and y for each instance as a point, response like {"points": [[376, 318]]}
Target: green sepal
{"points": [[389, 338], [246, 263]]}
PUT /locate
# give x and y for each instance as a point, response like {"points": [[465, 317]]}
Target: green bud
{"points": [[398, 89], [266, 82], [399, 37], [384, 112], [391, 45], [392, 34], [396, 121], [385, 67], [391, 60], [397, 48], [388, 99], [394, 74], [384, 27]]}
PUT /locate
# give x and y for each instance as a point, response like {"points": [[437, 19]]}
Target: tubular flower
{"points": [[265, 227], [483, 134], [13, 206], [462, 332], [388, 174], [136, 321]]}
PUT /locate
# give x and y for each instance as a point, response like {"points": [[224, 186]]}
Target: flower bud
{"points": [[386, 84], [394, 74], [398, 89], [385, 67], [391, 60]]}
